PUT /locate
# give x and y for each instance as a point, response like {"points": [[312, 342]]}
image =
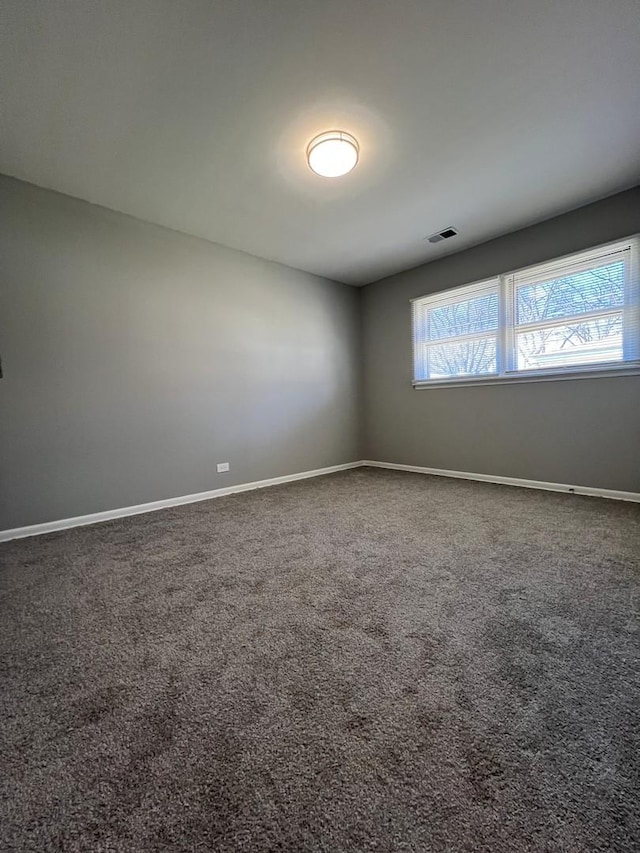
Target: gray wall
{"points": [[581, 432], [135, 358]]}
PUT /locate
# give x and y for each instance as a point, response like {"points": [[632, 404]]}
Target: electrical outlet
{"points": [[222, 466]]}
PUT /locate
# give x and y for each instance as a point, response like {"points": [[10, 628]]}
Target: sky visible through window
{"points": [[584, 340], [471, 356]]}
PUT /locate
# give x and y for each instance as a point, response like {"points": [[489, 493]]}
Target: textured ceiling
{"points": [[195, 114]]}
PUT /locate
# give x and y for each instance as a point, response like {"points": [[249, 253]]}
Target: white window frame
{"points": [[507, 371]]}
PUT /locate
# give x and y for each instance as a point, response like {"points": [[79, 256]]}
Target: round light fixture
{"points": [[333, 153]]}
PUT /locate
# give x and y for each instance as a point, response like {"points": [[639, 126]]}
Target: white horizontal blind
{"points": [[577, 313], [456, 334], [571, 315]]}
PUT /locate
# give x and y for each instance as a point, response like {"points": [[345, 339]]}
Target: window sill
{"points": [[529, 377]]}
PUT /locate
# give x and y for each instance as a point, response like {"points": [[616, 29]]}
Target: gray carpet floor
{"points": [[366, 661]]}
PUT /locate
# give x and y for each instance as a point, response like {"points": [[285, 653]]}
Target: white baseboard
{"points": [[510, 481], [108, 515]]}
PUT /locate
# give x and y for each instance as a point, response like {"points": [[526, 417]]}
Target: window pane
{"points": [[588, 342], [590, 290], [474, 357], [479, 314]]}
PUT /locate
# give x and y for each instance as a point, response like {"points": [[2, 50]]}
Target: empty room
{"points": [[319, 426]]}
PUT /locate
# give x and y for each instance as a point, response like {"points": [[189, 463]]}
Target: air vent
{"points": [[445, 234]]}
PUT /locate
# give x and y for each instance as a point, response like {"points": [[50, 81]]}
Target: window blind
{"points": [[575, 313], [457, 334]]}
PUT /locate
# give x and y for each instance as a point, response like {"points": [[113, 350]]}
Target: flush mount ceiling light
{"points": [[333, 153]]}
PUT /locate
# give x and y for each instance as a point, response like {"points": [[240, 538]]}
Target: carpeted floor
{"points": [[367, 661]]}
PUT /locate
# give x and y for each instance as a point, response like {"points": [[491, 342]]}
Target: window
{"points": [[578, 315]]}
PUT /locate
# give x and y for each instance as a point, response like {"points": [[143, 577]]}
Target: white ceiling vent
{"points": [[445, 234]]}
